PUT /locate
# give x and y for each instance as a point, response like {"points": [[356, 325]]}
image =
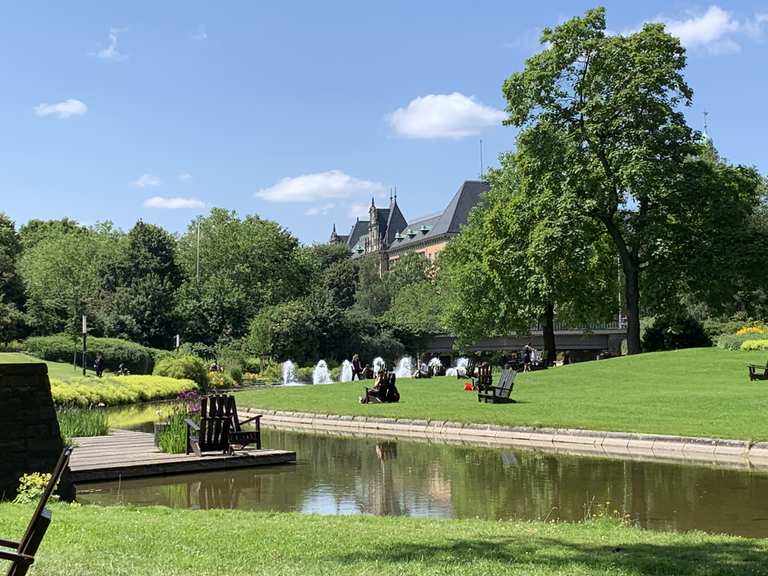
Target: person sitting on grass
{"points": [[422, 371], [383, 391]]}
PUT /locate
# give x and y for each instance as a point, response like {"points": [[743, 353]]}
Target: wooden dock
{"points": [[127, 454]]}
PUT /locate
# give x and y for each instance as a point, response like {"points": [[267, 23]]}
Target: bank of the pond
{"points": [[89, 540], [701, 392]]}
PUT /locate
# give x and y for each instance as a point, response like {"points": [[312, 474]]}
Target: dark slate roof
{"points": [[395, 223], [358, 230], [447, 222], [382, 215], [342, 238]]}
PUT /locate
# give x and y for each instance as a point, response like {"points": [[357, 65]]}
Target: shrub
{"points": [[84, 392], [273, 372], [752, 345], [237, 375], [220, 380], [303, 374], [715, 328], [755, 330], [673, 333], [81, 422], [31, 487], [336, 373], [732, 341], [61, 347], [252, 365], [184, 366]]}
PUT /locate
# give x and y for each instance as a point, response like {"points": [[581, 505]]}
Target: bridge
{"points": [[581, 343]]}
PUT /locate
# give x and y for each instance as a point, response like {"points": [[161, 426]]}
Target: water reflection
{"points": [[337, 475]]}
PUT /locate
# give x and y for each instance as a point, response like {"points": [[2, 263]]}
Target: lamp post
{"points": [[85, 343]]}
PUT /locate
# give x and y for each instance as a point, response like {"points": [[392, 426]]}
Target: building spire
{"points": [[373, 204], [395, 193]]}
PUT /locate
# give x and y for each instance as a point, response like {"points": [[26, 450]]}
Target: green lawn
{"points": [[696, 392], [58, 370], [91, 541]]}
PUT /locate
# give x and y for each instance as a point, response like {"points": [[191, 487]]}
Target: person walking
{"points": [[98, 365], [527, 357], [357, 368]]}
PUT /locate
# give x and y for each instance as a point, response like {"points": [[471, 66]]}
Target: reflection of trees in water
{"points": [[394, 478]]}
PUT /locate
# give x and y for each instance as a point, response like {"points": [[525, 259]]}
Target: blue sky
{"points": [[301, 111]]}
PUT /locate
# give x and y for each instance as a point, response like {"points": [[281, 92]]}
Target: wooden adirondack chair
{"points": [[239, 436], [23, 555], [212, 434], [499, 394], [484, 379], [757, 372]]}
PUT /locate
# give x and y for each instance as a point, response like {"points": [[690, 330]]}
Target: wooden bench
{"points": [[499, 394], [237, 434], [757, 372], [484, 379], [212, 433], [23, 554]]}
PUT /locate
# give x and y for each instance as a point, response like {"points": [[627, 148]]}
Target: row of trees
{"points": [[227, 281]]}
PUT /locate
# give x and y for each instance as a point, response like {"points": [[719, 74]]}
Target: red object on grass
{"points": [[468, 386]]}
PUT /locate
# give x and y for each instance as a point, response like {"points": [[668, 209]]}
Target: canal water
{"points": [[345, 475]]}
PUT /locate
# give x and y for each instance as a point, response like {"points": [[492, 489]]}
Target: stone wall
{"points": [[30, 440]]}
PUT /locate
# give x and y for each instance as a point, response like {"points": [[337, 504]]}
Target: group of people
{"points": [[98, 366]]}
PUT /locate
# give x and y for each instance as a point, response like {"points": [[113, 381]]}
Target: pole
{"points": [[481, 158], [85, 342], [197, 258]]}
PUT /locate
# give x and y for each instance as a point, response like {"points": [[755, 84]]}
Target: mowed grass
{"points": [[694, 392], [91, 541], [57, 370]]}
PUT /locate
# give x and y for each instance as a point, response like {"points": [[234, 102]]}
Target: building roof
{"points": [[445, 223], [395, 222], [359, 230]]}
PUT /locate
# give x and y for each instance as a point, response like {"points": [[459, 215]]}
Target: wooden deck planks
{"points": [[128, 454]]}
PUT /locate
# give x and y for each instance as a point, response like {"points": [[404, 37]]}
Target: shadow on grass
{"points": [[735, 558]]}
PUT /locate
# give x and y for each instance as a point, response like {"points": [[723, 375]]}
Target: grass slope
{"points": [[90, 541], [696, 392], [58, 370]]}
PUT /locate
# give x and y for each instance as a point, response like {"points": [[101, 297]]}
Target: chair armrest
{"points": [[254, 418], [192, 424], [16, 557], [9, 544]]}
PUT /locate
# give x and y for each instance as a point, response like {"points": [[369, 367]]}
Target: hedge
{"points": [[117, 390], [752, 345], [61, 347]]}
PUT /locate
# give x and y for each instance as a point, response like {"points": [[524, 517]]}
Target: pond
{"points": [[345, 475]]}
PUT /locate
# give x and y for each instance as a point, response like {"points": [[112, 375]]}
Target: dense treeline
{"points": [[226, 282]]}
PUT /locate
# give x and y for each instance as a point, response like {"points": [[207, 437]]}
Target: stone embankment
{"points": [[731, 453]]}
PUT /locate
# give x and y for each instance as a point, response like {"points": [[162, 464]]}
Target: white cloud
{"points": [[201, 34], [147, 180], [359, 211], [65, 109], [172, 203], [320, 186], [716, 31], [111, 53], [319, 210], [185, 176], [444, 116]]}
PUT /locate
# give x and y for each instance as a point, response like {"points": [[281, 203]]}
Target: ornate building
{"points": [[389, 235]]}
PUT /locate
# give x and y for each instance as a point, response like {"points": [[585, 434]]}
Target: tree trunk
{"points": [[632, 298], [548, 329]]}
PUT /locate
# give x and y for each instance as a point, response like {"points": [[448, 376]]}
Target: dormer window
{"points": [[399, 237], [410, 233], [424, 229]]}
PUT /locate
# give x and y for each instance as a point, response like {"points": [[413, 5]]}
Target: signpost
{"points": [[85, 344]]}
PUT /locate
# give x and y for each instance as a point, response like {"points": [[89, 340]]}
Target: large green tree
{"points": [[63, 271], [605, 111], [526, 254], [234, 267], [140, 287]]}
